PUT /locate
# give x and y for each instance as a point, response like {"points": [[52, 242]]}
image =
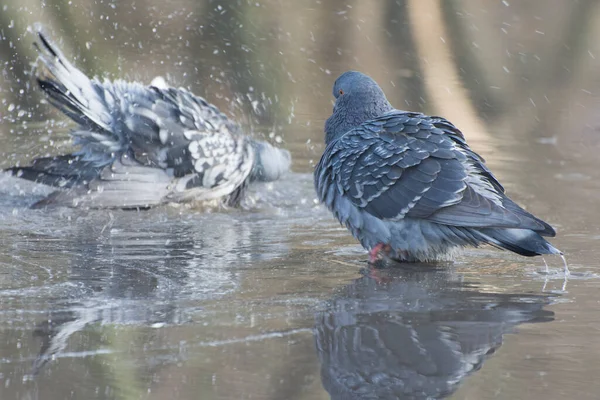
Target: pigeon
{"points": [[409, 187], [142, 146]]}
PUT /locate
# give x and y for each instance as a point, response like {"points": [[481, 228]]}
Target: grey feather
{"points": [[416, 175], [145, 144]]}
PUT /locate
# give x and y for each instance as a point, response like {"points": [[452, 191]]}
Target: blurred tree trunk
{"points": [[407, 72], [443, 85]]}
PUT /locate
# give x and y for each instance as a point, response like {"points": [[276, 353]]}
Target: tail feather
{"points": [[56, 95], [521, 241], [69, 89]]}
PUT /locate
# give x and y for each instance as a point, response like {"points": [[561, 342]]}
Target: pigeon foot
{"points": [[376, 252]]}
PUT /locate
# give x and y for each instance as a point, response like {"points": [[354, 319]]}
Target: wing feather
{"points": [[412, 165]]}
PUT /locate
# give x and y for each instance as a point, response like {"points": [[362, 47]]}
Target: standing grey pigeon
{"points": [[408, 186], [144, 145]]}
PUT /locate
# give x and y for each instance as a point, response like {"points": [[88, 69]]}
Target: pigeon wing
{"points": [[411, 165], [176, 130]]}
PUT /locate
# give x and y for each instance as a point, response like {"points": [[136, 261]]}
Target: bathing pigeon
{"points": [[408, 186], [142, 146]]}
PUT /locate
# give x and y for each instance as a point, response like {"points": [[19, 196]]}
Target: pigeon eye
{"points": [[341, 91]]}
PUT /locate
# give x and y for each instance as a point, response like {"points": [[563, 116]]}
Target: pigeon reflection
{"points": [[416, 334], [155, 274]]}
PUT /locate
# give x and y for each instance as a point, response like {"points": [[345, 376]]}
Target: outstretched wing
{"points": [[411, 165]]}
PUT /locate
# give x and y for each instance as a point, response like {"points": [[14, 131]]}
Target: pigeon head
{"points": [[358, 99]]}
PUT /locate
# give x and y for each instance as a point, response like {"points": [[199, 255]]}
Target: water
{"points": [[272, 302]]}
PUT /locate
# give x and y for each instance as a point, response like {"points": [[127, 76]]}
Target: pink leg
{"points": [[374, 253]]}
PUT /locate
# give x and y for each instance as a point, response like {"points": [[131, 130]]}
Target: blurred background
{"points": [[520, 79]]}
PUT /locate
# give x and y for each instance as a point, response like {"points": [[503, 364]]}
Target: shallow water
{"points": [[271, 302]]}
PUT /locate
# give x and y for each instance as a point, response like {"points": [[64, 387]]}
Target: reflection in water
{"points": [[155, 276], [415, 335]]}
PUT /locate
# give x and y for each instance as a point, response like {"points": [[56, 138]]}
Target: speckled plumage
{"points": [[144, 145], [410, 181]]}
